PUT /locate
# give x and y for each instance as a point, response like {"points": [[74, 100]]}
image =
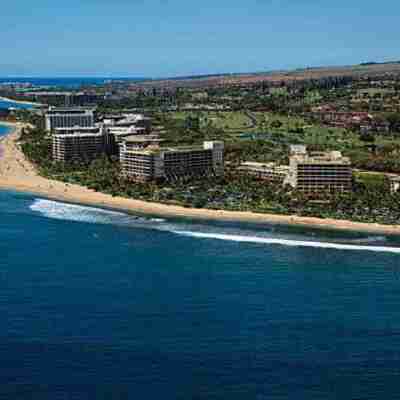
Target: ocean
{"points": [[62, 82], [101, 304], [10, 104], [4, 130]]}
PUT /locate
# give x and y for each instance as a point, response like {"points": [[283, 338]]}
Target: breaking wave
{"points": [[73, 212], [287, 242]]}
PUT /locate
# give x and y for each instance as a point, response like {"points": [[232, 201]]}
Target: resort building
{"points": [[117, 134], [80, 146], [143, 162], [128, 120], [269, 172], [319, 173], [140, 142], [121, 126], [77, 129], [57, 117]]}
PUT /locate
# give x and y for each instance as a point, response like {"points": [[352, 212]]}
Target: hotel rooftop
{"points": [[331, 157]]}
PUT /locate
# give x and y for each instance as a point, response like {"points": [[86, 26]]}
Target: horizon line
{"points": [[183, 76]]}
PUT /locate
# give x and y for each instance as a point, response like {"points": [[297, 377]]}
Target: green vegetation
{"points": [[269, 137], [227, 121]]}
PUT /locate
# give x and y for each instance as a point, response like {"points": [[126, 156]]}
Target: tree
{"points": [[276, 123], [367, 137], [394, 121]]}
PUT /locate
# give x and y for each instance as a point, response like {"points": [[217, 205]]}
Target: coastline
{"points": [[28, 103], [11, 125], [18, 174]]}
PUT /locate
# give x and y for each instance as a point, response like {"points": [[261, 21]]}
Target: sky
{"points": [[164, 38]]}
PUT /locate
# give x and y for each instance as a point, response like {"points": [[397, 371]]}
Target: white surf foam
{"points": [[157, 220], [287, 242], [73, 212]]}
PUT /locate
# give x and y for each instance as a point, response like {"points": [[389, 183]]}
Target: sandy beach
{"points": [[16, 173]]}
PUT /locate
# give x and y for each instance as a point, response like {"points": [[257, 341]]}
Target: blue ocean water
{"points": [[11, 104], [101, 304], [72, 83], [4, 130]]}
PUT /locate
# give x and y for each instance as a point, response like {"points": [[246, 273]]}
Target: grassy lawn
{"points": [[267, 118], [373, 91], [279, 91], [273, 133], [370, 179], [387, 140], [228, 121], [309, 134]]}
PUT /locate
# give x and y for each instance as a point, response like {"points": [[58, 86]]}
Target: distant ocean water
{"points": [[66, 82], [101, 304]]}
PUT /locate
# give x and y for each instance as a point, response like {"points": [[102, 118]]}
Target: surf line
{"points": [[287, 242]]}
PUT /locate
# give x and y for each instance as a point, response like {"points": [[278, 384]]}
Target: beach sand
{"points": [[16, 173]]}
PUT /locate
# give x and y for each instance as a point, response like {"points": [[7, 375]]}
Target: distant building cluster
{"points": [[360, 120], [77, 138], [66, 99]]}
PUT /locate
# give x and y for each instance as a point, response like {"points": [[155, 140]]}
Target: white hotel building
{"points": [[57, 117]]}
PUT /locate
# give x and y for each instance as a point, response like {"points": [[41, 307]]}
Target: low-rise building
{"points": [[298, 149], [265, 171], [153, 162], [320, 173], [128, 120], [332, 117]]}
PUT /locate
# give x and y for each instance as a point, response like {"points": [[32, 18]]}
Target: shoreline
{"points": [[23, 102], [17, 174], [11, 125]]}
